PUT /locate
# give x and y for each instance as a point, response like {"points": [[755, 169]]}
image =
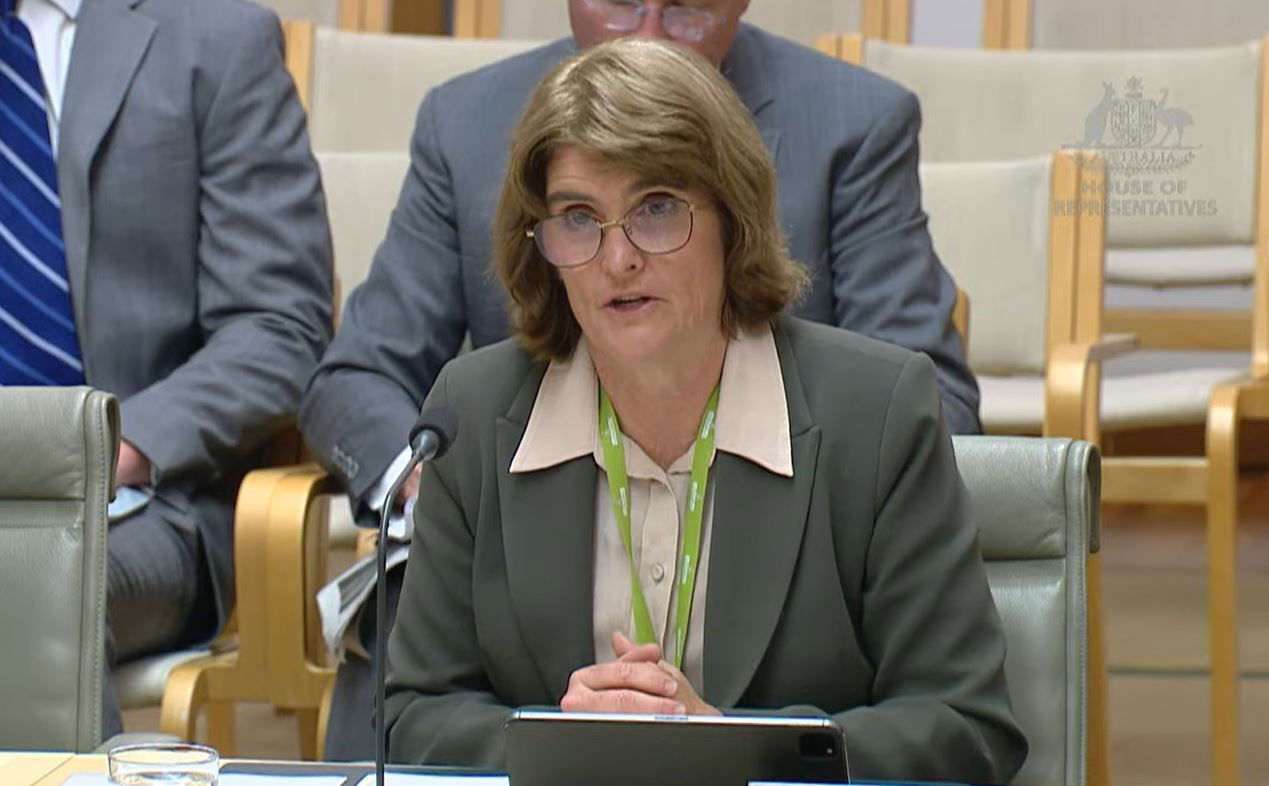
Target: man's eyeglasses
{"points": [[682, 23], [660, 225]]}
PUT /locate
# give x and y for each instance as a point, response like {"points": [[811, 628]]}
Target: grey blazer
{"points": [[844, 143], [196, 241], [854, 588]]}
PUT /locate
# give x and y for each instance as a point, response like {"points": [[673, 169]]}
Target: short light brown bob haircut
{"points": [[667, 115]]}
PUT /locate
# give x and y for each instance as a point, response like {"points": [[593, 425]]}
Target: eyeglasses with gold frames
{"points": [[660, 225]]}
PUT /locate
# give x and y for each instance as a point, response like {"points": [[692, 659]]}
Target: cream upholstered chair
{"points": [[803, 21], [1032, 265], [56, 481], [1161, 122], [1202, 159], [363, 90], [281, 525], [1035, 502], [1127, 24], [1033, 270]]}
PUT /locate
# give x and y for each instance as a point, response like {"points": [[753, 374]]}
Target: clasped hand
{"points": [[638, 682]]}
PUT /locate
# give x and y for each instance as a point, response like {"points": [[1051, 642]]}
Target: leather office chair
{"points": [[1036, 505], [56, 482]]}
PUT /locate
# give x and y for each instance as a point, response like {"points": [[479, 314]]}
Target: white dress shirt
{"points": [[52, 26]]}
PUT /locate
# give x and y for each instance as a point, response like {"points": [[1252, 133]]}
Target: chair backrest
{"points": [[368, 15], [1036, 504], [361, 191], [1133, 24], [1020, 240], [800, 20], [363, 90], [322, 12], [1185, 134], [56, 480], [1180, 130]]}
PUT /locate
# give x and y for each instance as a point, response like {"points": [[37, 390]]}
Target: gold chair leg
{"points": [[184, 696], [1098, 682], [220, 727], [323, 718], [1222, 581], [306, 719]]}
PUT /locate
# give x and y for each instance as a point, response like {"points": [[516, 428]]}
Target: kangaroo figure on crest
{"points": [[1095, 123]]}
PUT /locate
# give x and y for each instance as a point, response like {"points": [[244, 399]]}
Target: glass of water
{"points": [[164, 764]]}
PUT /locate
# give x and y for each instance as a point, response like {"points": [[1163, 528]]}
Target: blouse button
{"points": [[658, 573]]}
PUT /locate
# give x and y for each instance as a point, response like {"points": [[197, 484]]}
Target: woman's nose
{"points": [[617, 254]]}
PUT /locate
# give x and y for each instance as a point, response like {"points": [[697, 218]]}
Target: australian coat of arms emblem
{"points": [[1138, 134]]}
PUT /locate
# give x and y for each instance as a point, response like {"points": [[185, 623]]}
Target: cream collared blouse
{"points": [[752, 422]]}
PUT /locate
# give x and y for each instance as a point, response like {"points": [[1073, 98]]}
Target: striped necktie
{"points": [[38, 344]]}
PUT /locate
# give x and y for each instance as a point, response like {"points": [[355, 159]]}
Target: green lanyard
{"points": [[619, 490]]}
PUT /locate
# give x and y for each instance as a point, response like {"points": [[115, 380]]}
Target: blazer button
{"points": [[658, 573]]}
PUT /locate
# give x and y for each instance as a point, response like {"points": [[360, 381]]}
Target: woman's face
{"points": [[632, 304]]}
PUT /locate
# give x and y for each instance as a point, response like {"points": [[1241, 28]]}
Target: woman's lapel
{"points": [[759, 520]]}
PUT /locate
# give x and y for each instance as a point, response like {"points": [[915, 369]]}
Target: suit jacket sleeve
{"points": [[887, 281], [440, 705], [264, 291], [940, 708], [398, 328]]}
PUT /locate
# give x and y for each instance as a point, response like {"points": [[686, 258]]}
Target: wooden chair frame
{"points": [[1211, 480], [1006, 24], [478, 18], [371, 16], [301, 46]]}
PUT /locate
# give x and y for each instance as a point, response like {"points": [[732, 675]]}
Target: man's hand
{"points": [[684, 693], [634, 683], [410, 488], [132, 468]]}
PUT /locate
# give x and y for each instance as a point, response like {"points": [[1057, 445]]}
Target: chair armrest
{"points": [[1072, 387], [1112, 345], [297, 552], [254, 566]]}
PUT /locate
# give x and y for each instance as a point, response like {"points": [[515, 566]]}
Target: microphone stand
{"points": [[427, 449]]}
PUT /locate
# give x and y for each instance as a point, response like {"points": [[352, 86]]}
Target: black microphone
{"points": [[430, 437]]}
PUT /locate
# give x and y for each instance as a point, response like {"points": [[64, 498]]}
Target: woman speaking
{"points": [[669, 497]]}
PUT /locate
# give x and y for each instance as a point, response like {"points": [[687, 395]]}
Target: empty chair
{"points": [[1035, 502], [56, 481], [363, 90]]}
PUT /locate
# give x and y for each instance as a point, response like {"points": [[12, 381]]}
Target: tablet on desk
{"points": [[595, 749]]}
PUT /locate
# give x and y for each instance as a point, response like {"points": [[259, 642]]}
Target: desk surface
{"points": [[68, 766], [24, 769], [52, 769]]}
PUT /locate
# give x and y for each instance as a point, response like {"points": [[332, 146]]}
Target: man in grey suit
{"points": [[844, 142], [198, 259]]}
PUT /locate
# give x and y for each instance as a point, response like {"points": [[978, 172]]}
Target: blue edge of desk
{"points": [[353, 773]]}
